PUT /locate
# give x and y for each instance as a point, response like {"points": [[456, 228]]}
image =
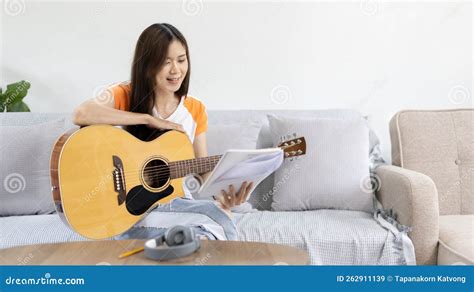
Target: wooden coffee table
{"points": [[212, 252]]}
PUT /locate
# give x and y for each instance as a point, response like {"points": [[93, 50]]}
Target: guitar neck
{"points": [[291, 148], [198, 165]]}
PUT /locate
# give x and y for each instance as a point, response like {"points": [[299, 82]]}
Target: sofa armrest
{"points": [[414, 199]]}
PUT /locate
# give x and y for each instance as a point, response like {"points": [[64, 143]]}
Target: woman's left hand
{"points": [[231, 199]]}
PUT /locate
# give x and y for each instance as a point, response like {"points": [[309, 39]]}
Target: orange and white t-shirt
{"points": [[190, 113]]}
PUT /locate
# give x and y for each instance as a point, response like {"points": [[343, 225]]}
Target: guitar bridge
{"points": [[119, 179]]}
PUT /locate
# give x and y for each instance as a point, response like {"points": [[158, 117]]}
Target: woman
{"points": [[156, 99]]}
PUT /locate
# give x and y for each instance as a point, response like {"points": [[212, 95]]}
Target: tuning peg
{"points": [[287, 154], [299, 151], [298, 141]]}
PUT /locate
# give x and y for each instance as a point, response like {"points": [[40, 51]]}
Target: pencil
{"points": [[129, 253]]}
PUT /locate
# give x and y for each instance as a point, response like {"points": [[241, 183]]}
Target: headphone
{"points": [[180, 241]]}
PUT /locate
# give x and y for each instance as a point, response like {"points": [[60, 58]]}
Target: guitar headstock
{"points": [[294, 147]]}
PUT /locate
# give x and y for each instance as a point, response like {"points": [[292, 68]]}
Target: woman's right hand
{"points": [[164, 124]]}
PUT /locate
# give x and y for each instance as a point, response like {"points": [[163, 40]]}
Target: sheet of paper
{"points": [[237, 166]]}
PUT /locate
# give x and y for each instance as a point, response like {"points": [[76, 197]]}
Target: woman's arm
{"points": [[200, 145], [100, 110], [200, 150]]}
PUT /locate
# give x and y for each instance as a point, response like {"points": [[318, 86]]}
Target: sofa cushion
{"points": [[331, 237], [221, 137], [29, 119], [25, 153], [332, 173], [440, 144], [456, 240], [35, 229]]}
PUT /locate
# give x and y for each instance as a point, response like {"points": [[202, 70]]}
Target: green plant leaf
{"points": [[2, 99], [19, 106], [15, 92]]}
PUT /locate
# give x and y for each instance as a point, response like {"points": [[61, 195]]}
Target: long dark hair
{"points": [[150, 54]]}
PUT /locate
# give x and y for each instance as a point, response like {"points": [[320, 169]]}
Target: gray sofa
{"points": [[331, 237]]}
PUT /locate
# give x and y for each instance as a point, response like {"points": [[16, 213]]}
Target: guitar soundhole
{"points": [[156, 173]]}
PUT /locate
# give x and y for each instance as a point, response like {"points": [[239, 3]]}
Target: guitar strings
{"points": [[164, 171], [133, 179], [159, 173], [187, 163], [164, 174], [182, 163], [165, 168]]}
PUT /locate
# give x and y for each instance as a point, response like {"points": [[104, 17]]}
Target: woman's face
{"points": [[172, 74]]}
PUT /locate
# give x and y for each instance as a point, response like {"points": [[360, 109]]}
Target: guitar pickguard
{"points": [[139, 199]]}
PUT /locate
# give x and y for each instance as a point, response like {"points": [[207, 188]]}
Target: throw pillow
{"points": [[25, 151], [222, 137], [331, 173]]}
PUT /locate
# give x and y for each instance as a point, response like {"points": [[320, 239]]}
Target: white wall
{"points": [[377, 57]]}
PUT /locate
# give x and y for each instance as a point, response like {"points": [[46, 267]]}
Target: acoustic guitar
{"points": [[104, 180]]}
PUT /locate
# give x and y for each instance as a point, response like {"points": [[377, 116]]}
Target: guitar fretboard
{"points": [[198, 165]]}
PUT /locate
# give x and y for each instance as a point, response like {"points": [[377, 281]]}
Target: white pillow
{"points": [[222, 137], [25, 187], [329, 176]]}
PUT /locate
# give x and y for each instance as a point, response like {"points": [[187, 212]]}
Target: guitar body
{"points": [[99, 177]]}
